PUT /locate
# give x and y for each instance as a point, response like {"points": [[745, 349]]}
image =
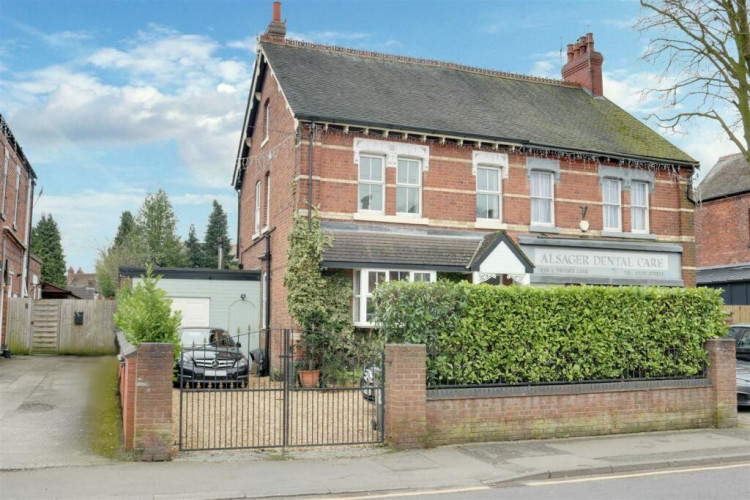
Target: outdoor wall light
{"points": [[584, 224]]}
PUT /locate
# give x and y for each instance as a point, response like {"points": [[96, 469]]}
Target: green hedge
{"points": [[479, 334]]}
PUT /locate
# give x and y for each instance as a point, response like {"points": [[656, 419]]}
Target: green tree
{"points": [[156, 236], [109, 263], [47, 245], [125, 230], [144, 312], [193, 249], [217, 231], [124, 251]]}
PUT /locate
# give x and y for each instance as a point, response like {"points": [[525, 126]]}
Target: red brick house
{"points": [[722, 229], [20, 272], [422, 167]]}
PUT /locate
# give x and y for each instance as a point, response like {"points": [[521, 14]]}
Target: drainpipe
{"points": [[310, 177], [4, 346], [27, 237], [267, 296], [239, 207]]}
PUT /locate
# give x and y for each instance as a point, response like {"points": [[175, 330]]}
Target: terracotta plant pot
{"points": [[309, 378]]}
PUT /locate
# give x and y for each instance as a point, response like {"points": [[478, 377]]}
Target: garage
{"points": [[228, 299]]}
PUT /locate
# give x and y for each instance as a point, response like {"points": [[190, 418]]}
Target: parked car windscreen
{"points": [[190, 337]]}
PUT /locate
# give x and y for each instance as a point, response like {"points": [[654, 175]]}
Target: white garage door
{"points": [[195, 311]]}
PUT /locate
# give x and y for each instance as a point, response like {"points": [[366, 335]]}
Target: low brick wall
{"points": [[146, 398], [417, 417]]}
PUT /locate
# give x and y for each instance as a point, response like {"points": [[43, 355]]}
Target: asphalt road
{"points": [[725, 482]]}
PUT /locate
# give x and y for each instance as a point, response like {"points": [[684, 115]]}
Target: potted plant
{"points": [[312, 345]]}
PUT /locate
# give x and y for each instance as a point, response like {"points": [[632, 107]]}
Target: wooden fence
{"points": [[49, 327], [739, 314]]}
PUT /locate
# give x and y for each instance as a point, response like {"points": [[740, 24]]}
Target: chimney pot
{"points": [[276, 28], [584, 65]]}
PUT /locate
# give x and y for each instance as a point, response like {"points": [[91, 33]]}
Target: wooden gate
{"points": [[45, 321]]}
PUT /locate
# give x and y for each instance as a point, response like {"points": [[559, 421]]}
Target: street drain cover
{"points": [[36, 407]]}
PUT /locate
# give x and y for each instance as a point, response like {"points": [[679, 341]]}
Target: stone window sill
{"points": [[395, 219], [619, 234]]}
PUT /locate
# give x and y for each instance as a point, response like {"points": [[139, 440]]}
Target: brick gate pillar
{"points": [[723, 376], [152, 436], [405, 395]]}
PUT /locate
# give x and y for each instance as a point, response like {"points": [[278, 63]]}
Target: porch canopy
{"points": [[485, 255]]}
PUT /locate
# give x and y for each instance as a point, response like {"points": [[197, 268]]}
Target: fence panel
{"points": [[96, 334], [739, 314], [60, 333]]}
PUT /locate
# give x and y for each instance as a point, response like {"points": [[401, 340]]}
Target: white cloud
{"points": [[174, 88], [327, 37], [247, 44]]}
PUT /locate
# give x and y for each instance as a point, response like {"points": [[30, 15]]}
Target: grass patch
{"points": [[104, 414]]}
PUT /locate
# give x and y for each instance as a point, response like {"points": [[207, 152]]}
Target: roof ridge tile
{"points": [[417, 60]]}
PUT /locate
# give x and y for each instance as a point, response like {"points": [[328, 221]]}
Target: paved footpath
{"points": [[358, 471]]}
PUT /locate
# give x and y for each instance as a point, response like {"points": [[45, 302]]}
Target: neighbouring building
{"points": [[83, 285], [421, 167], [722, 229], [20, 272]]}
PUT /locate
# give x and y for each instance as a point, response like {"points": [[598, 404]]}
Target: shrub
{"points": [[144, 312], [488, 334]]}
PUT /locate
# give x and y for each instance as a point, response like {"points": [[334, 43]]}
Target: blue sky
{"points": [[112, 99]]}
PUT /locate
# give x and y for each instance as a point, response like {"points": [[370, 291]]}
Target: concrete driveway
{"points": [[43, 406]]}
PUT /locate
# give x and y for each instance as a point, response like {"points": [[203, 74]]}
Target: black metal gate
{"points": [[243, 391]]}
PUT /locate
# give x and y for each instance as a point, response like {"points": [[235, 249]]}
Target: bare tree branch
{"points": [[705, 46]]}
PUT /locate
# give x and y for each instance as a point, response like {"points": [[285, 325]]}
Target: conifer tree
{"points": [[193, 249], [47, 245], [155, 227], [216, 231], [125, 230]]}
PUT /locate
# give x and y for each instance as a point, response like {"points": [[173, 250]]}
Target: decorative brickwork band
{"points": [[405, 396]]}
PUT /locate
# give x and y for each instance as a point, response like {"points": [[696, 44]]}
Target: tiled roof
{"points": [[730, 175], [345, 86], [371, 245], [723, 274]]}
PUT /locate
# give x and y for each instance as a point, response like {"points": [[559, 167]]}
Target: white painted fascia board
{"points": [[246, 124]]}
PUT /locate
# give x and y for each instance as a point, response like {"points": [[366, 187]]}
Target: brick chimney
{"points": [[584, 65], [276, 28], [71, 274]]}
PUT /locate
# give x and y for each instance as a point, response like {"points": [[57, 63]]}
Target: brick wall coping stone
{"points": [[564, 389], [126, 348]]}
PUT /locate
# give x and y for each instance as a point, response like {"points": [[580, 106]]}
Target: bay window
{"points": [[366, 280]]}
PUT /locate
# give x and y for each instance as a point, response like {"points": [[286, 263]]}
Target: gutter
{"points": [[511, 142]]}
